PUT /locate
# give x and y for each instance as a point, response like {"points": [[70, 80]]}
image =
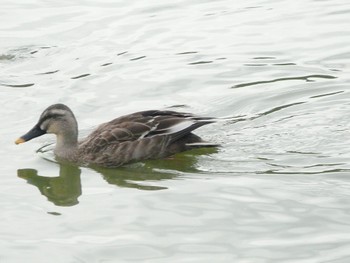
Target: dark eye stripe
{"points": [[50, 116]]}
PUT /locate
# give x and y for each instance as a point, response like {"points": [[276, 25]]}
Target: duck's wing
{"points": [[144, 125], [150, 115], [164, 123], [108, 134]]}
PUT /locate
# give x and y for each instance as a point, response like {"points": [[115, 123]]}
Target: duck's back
{"points": [[142, 135]]}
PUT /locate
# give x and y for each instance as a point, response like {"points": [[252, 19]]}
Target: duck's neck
{"points": [[67, 145]]}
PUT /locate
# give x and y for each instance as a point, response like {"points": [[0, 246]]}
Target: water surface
{"points": [[276, 191]]}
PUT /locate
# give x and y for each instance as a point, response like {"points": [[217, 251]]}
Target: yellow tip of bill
{"points": [[19, 140]]}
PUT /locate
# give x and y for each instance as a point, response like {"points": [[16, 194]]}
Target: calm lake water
{"points": [[278, 190]]}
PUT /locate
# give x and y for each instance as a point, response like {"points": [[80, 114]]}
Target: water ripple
{"points": [[81, 76], [17, 85], [305, 78]]}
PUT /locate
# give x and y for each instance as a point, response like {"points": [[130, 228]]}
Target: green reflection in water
{"points": [[136, 175], [65, 189]]}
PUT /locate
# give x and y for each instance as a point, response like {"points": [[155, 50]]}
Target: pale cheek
{"points": [[45, 126], [51, 129]]}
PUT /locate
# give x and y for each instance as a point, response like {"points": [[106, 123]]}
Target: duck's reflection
{"points": [[65, 189], [134, 177], [139, 175]]}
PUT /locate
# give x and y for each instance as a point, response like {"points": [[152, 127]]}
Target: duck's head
{"points": [[57, 119]]}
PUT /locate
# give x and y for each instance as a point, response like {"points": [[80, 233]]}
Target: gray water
{"points": [[276, 191]]}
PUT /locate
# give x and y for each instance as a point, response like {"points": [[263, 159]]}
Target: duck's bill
{"points": [[33, 133], [20, 140]]}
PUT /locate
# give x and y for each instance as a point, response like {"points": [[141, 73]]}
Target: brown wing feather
{"points": [[141, 135], [114, 134]]}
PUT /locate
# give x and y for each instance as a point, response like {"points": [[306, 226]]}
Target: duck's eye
{"points": [[45, 121], [55, 116], [52, 116]]}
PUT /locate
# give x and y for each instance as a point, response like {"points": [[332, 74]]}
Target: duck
{"points": [[143, 135]]}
